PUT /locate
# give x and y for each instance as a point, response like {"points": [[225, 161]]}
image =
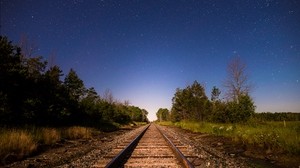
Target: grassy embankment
{"points": [[283, 136], [20, 142]]}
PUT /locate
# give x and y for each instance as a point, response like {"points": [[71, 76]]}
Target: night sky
{"points": [[142, 50]]}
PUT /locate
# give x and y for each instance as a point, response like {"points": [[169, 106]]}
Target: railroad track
{"points": [[150, 148]]}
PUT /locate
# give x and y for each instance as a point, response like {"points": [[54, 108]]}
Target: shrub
{"points": [[240, 111]]}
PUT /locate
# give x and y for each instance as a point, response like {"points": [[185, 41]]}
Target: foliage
{"points": [[74, 85], [219, 112], [137, 114], [190, 103], [163, 114], [32, 93], [215, 94], [277, 136], [240, 111], [284, 116]]}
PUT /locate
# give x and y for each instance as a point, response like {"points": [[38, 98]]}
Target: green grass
{"points": [[269, 135], [140, 123]]}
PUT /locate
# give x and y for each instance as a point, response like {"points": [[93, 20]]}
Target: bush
{"points": [[240, 111]]}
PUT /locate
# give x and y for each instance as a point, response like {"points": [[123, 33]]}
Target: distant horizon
{"points": [[143, 50]]}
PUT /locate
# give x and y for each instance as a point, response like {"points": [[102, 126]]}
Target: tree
{"points": [[144, 115], [108, 96], [74, 85], [190, 103], [55, 99], [162, 114], [28, 47], [52, 76], [220, 113], [199, 101], [13, 82], [237, 81], [178, 111], [242, 111], [215, 94], [35, 67], [240, 105], [30, 94], [217, 110]]}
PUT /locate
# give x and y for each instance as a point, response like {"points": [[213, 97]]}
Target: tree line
{"points": [[192, 103], [278, 116], [31, 92]]}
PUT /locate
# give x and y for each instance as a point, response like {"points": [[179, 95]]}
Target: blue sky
{"points": [[142, 50]]}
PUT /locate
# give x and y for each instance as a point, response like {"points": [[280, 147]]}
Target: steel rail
{"points": [[176, 151], [115, 162]]}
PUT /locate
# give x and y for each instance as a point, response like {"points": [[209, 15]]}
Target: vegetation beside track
{"points": [[20, 142], [271, 136]]}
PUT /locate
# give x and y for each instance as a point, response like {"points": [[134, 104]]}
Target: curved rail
{"points": [[115, 162]]}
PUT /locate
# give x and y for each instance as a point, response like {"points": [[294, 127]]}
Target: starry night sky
{"points": [[142, 50]]}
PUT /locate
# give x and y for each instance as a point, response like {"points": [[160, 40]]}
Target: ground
{"points": [[255, 156], [85, 152]]}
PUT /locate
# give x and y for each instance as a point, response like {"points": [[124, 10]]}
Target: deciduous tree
{"points": [[237, 81], [163, 114], [240, 105]]}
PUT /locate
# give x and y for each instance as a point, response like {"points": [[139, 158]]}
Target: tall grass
{"points": [[46, 136], [15, 142], [23, 142], [282, 136], [77, 132]]}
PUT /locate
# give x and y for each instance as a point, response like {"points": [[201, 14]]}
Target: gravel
{"points": [[208, 156], [85, 153], [77, 153]]}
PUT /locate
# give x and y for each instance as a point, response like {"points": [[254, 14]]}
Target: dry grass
{"points": [[23, 142], [16, 142], [50, 135], [77, 132]]}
